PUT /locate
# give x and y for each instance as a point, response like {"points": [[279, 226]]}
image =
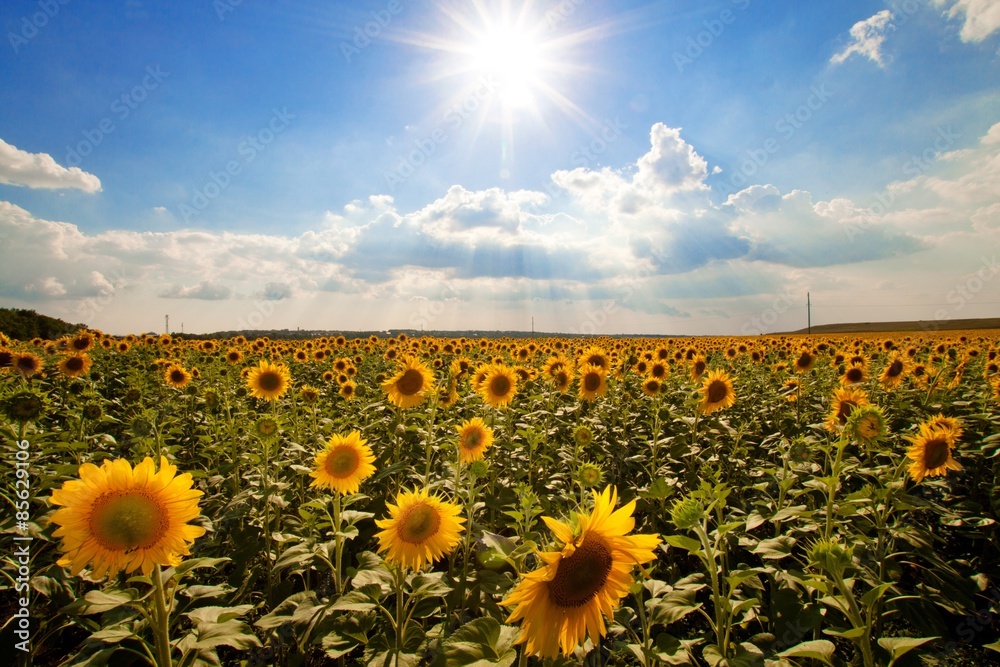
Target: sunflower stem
{"points": [[161, 621], [338, 544]]}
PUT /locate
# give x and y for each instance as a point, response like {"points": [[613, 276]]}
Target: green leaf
{"points": [[995, 646], [98, 602], [196, 563], [873, 595], [481, 642], [218, 614], [683, 542], [775, 549], [817, 649], [231, 633], [113, 635], [898, 646]]}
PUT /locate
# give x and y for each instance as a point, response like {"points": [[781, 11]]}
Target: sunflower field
{"points": [[773, 501]]}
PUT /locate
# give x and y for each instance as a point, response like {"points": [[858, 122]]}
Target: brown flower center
{"points": [[500, 386], [418, 523], [269, 381], [127, 520], [936, 452], [582, 575], [411, 382], [342, 462], [717, 391]]}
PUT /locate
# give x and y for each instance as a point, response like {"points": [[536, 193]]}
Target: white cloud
{"points": [[647, 237], [981, 17], [39, 170], [867, 38]]}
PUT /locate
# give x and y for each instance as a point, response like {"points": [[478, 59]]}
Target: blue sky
{"points": [[673, 167]]}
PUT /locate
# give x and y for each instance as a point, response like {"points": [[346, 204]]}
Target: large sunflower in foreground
{"points": [[420, 529], [844, 402], [717, 392], [124, 519], [499, 385], [176, 376], [474, 438], [593, 382], [346, 461], [410, 385], [268, 381], [75, 365], [562, 603], [931, 452]]}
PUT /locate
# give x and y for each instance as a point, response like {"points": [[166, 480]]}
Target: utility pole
{"points": [[166, 324], [809, 313], [532, 326]]}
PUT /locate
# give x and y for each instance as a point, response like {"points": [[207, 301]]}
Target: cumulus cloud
{"points": [[206, 290], [867, 38], [646, 237], [40, 170], [981, 18]]}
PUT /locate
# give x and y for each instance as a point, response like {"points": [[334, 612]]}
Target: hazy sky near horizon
{"points": [[680, 167]]}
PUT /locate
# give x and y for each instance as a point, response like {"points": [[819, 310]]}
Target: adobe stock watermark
{"points": [[32, 24], [594, 320], [915, 166], [713, 29], [121, 107], [370, 30], [964, 292], [430, 311], [224, 7], [785, 127], [88, 309], [248, 150], [768, 317], [561, 12], [262, 311], [585, 156], [427, 146]]}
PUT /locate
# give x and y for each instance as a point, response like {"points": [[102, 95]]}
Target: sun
{"points": [[514, 57]]}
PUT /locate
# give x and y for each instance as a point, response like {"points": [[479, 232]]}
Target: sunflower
{"points": [[791, 388], [698, 366], [408, 387], [26, 363], [595, 355], [82, 342], [421, 528], [474, 438], [804, 361], [120, 519], [948, 423], [589, 475], [844, 403], [499, 385], [346, 461], [996, 390], [268, 381], [717, 392], [176, 376], [24, 406], [562, 603], [931, 452], [234, 356], [867, 424], [593, 382], [856, 374], [651, 386], [348, 390], [893, 373], [75, 365]]}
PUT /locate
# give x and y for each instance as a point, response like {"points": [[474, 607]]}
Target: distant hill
{"points": [[919, 326], [22, 324]]}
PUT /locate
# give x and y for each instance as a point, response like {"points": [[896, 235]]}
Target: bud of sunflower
{"points": [[479, 468], [583, 436], [589, 475], [266, 428], [92, 411], [24, 406], [687, 512], [867, 424], [831, 557], [140, 426]]}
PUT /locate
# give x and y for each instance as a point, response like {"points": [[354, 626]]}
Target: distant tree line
{"points": [[22, 324]]}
